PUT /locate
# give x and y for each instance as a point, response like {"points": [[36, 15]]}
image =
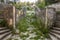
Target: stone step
{"points": [[57, 35], [54, 37], [56, 32], [8, 37], [5, 36], [4, 31], [56, 28], [1, 35], [3, 28]]}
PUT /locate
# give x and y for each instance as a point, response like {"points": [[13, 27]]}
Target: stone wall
{"points": [[48, 15], [57, 22], [57, 8], [7, 13], [51, 16]]}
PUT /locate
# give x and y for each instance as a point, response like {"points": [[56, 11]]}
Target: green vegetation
{"points": [[46, 2], [3, 22], [18, 6], [29, 8], [41, 4], [49, 2], [34, 26]]}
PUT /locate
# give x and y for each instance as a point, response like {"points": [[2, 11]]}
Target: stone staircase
{"points": [[5, 33], [55, 31]]}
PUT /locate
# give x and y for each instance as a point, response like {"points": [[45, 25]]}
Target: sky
{"points": [[25, 0], [28, 1]]}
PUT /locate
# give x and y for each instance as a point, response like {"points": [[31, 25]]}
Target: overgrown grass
{"points": [[32, 25]]}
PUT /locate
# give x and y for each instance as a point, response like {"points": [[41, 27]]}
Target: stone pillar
{"points": [[50, 16], [14, 17]]}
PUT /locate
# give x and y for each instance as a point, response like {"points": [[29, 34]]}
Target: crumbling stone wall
{"points": [[48, 15], [51, 16], [7, 14]]}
